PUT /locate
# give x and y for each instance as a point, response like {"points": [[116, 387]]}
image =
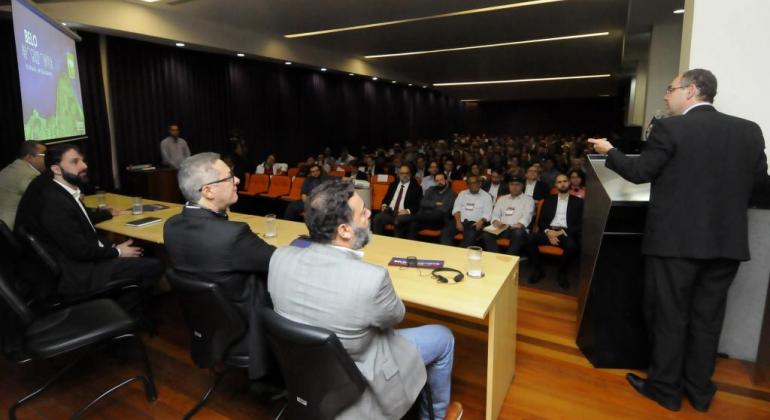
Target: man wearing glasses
{"points": [[202, 242], [693, 243], [401, 203], [15, 178]]}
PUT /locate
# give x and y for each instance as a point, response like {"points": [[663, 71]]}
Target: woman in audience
{"points": [[577, 183]]}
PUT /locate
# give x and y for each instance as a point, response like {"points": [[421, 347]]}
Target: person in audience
{"points": [[15, 178], [345, 157], [449, 171], [203, 243], [535, 188], [549, 173], [323, 162], [471, 211], [420, 171], [513, 213], [271, 167], [356, 173], [493, 186], [369, 166], [577, 183], [401, 203], [66, 229], [429, 179], [173, 149], [304, 168], [435, 208], [475, 170], [357, 301], [560, 224], [315, 177]]}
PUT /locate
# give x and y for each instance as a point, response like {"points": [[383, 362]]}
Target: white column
{"points": [[731, 38], [638, 96], [664, 65]]}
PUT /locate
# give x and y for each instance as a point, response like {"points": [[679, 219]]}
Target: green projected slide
{"points": [[67, 120]]}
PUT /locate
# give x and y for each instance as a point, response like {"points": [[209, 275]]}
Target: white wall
{"points": [[663, 66], [732, 39]]}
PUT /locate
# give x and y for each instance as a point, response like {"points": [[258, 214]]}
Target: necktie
{"points": [[398, 197]]}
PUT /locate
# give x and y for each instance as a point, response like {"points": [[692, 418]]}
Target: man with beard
{"points": [[561, 220], [435, 207], [66, 229], [328, 285], [202, 242]]}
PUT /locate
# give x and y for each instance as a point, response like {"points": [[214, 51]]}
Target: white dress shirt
{"points": [[529, 188], [473, 207], [511, 210], [392, 203], [560, 219]]}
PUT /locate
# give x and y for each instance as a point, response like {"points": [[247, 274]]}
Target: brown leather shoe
{"points": [[454, 411]]}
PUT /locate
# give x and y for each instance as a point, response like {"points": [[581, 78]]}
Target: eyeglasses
{"points": [[670, 89], [229, 178]]}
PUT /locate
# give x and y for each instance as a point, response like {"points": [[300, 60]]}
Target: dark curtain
{"points": [[97, 146], [291, 111]]}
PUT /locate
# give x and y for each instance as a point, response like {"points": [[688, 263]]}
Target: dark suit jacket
{"points": [[455, 175], [574, 214], [501, 190], [703, 167], [50, 213], [205, 244], [541, 190], [411, 198]]}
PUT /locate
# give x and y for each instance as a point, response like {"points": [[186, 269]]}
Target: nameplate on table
{"points": [[402, 262]]}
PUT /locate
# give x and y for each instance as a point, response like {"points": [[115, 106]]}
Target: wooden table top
{"points": [[471, 297]]}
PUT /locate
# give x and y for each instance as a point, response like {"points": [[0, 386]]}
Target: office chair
{"points": [[86, 326]]}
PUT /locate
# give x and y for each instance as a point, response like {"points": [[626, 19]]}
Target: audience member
{"points": [[494, 186], [435, 209], [315, 177], [549, 173], [471, 211], [429, 179], [202, 242], [535, 188], [15, 178], [173, 149], [401, 202], [577, 183], [271, 167], [512, 213], [560, 225], [356, 300]]}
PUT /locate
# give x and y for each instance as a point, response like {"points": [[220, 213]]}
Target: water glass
{"points": [[270, 226], [474, 262], [101, 201], [137, 208]]}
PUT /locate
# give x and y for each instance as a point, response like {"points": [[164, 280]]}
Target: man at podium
{"points": [[703, 166]]}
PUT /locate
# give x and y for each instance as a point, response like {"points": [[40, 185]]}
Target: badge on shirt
{"points": [[509, 211], [470, 206]]}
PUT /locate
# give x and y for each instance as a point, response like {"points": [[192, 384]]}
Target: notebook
{"points": [[144, 222]]}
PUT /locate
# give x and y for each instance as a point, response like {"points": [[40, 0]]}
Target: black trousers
{"points": [[518, 238], [567, 243], [470, 234], [427, 219], [401, 223], [145, 270], [684, 306]]}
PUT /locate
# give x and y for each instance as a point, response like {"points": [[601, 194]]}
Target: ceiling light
{"points": [[542, 79], [288, 63], [500, 44], [241, 54], [678, 11], [374, 78], [180, 44], [393, 81], [418, 19], [424, 86], [150, 1], [323, 68], [410, 84]]}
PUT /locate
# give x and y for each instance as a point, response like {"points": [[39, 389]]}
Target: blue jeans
{"points": [[436, 344]]}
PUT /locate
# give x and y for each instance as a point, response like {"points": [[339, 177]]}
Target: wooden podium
{"points": [[156, 184]]}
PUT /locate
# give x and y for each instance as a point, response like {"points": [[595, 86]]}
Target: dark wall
{"points": [[592, 116]]}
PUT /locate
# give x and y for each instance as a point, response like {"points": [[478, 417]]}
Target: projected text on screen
{"points": [[52, 105]]}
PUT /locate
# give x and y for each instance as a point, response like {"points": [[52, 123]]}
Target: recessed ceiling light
{"points": [[541, 79], [424, 86], [499, 44], [410, 84], [288, 63], [423, 18], [323, 68], [150, 1], [180, 44], [241, 54], [374, 78], [604, 95], [678, 11]]}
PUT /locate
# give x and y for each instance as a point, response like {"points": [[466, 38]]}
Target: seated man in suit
{"points": [[201, 241], [15, 178], [514, 211], [66, 229], [314, 178], [401, 203], [328, 285], [495, 185], [435, 207], [560, 223], [535, 188], [471, 211]]}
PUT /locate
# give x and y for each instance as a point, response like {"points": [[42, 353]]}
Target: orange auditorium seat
{"points": [[378, 194], [292, 172], [459, 185], [295, 194], [279, 186], [258, 184], [544, 249]]}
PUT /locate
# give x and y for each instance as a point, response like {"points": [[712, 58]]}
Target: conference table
{"points": [[490, 301]]}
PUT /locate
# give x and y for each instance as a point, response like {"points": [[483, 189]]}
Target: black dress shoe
{"points": [[702, 407], [536, 276], [638, 384]]}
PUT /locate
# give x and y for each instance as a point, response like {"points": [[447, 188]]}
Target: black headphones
{"points": [[457, 278]]}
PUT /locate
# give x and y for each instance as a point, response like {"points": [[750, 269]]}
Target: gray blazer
{"points": [[332, 288], [14, 180]]}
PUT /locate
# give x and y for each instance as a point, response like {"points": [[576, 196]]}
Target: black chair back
{"points": [[9, 246], [12, 301], [38, 266], [321, 378], [213, 321]]}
